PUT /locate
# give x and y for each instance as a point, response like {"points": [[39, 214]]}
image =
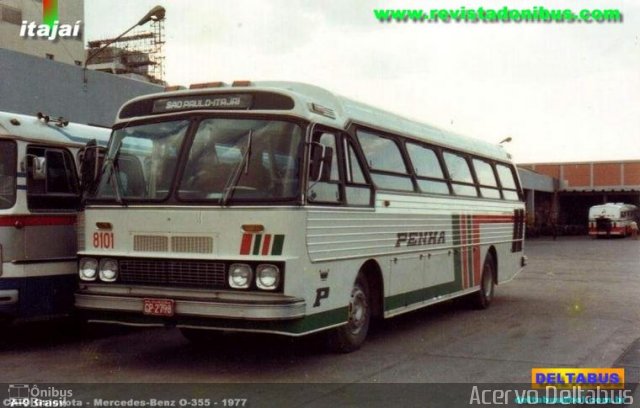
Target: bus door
{"points": [[45, 263], [9, 244]]}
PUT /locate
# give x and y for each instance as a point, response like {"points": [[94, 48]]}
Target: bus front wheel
{"points": [[484, 297], [351, 336]]}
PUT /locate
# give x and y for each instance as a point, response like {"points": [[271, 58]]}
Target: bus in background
{"points": [[39, 200], [612, 219], [280, 207]]}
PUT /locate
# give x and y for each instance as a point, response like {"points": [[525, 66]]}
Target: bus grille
{"points": [[195, 274]]}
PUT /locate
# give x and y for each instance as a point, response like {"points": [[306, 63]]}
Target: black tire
{"points": [[351, 336], [484, 297]]}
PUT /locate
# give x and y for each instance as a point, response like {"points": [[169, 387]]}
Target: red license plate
{"points": [[159, 307]]}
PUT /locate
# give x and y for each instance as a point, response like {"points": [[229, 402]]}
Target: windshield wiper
{"points": [[111, 163], [237, 171]]}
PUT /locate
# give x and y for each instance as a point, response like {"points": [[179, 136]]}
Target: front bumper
{"points": [[190, 302], [9, 303], [8, 297]]}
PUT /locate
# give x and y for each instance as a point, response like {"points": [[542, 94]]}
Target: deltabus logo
{"points": [[50, 28], [572, 377]]}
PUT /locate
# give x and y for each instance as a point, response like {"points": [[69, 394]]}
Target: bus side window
{"points": [[486, 178], [386, 165], [427, 168], [59, 189], [357, 191], [326, 187], [508, 183], [460, 173]]}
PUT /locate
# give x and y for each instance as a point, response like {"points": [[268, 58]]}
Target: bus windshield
{"points": [[7, 174], [227, 160]]}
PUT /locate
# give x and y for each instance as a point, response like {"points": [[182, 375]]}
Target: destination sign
{"points": [[180, 103]]}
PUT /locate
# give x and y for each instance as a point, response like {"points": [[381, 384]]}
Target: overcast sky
{"points": [[563, 92]]}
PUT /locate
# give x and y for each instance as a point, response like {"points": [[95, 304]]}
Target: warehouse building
{"points": [[562, 193]]}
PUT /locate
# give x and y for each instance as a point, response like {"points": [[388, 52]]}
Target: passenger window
{"points": [[487, 179], [460, 174], [509, 187], [425, 162], [357, 192], [458, 168], [506, 176], [381, 153], [60, 173], [434, 187], [58, 188], [484, 173]]}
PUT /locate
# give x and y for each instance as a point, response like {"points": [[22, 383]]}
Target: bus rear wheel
{"points": [[484, 297], [351, 336]]}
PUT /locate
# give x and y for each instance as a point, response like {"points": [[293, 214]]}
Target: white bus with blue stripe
{"points": [[39, 199]]}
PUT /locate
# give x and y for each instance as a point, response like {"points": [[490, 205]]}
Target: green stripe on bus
{"points": [[278, 243], [256, 244], [420, 295]]}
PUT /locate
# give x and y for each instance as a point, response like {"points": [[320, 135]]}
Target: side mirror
{"points": [[320, 165], [315, 164], [38, 168], [90, 165]]}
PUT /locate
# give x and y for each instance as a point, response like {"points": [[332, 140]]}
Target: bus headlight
{"points": [[87, 269], [108, 270], [267, 276], [240, 276]]}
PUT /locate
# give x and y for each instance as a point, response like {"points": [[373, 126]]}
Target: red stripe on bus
{"points": [[491, 219], [476, 254], [245, 247], [616, 230], [463, 250], [36, 220], [266, 244]]}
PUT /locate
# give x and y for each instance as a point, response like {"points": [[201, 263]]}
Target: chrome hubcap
{"points": [[487, 277], [357, 310]]}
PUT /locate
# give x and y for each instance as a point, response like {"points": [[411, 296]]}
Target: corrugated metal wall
{"points": [[30, 84]]}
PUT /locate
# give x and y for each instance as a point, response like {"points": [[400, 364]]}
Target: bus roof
{"points": [[614, 206], [37, 130], [610, 210], [322, 106]]}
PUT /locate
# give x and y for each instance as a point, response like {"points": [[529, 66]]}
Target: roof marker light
{"points": [[204, 85], [172, 88], [322, 110], [253, 227], [241, 83]]}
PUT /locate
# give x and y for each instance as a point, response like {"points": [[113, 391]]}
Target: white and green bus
{"points": [[283, 208]]}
